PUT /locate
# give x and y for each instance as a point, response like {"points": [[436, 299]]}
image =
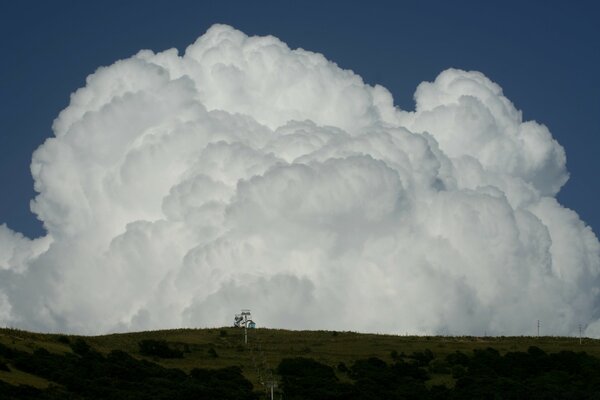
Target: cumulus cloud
{"points": [[243, 174]]}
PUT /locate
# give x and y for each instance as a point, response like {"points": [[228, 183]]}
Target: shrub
{"points": [[158, 348], [438, 366], [305, 378], [342, 368], [458, 358], [41, 352], [6, 351], [63, 339], [422, 358], [458, 371], [80, 347]]}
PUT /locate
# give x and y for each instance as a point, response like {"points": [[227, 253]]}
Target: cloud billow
{"points": [[179, 189]]}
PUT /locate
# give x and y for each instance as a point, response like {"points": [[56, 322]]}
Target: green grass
{"points": [[16, 378], [324, 346]]}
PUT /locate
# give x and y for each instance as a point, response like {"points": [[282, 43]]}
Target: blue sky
{"points": [[545, 55]]}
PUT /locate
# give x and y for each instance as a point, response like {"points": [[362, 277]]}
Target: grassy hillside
{"points": [[224, 347]]}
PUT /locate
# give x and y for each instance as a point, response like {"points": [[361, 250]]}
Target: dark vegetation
{"points": [[485, 374], [87, 374], [158, 348], [216, 364]]}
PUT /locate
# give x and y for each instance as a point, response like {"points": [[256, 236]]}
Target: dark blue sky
{"points": [[546, 56]]}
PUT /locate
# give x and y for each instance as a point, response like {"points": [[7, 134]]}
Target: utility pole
{"points": [[538, 329], [580, 334], [244, 319]]}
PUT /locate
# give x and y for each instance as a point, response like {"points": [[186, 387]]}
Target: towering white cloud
{"points": [[179, 189]]}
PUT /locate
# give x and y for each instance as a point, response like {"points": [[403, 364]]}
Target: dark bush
{"points": [[158, 348], [422, 358], [41, 352], [306, 367], [439, 366], [371, 368], [212, 353], [226, 383], [80, 346], [63, 339], [375, 379], [4, 367], [410, 370], [304, 378], [6, 351], [458, 371], [458, 358]]}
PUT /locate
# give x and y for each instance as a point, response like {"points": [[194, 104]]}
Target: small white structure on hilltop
{"points": [[244, 320]]}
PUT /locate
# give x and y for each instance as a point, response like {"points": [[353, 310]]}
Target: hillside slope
{"points": [[194, 350]]}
